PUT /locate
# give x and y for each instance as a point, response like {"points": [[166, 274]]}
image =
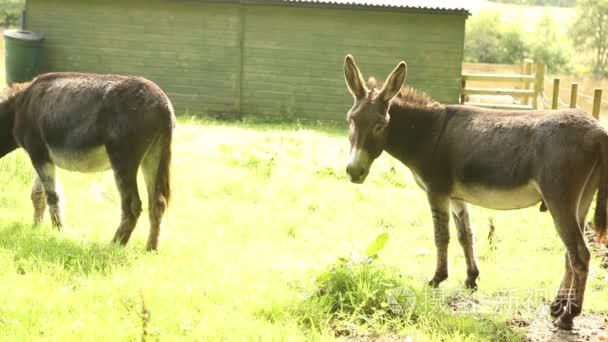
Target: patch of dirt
{"points": [[462, 304], [587, 327], [386, 338]]}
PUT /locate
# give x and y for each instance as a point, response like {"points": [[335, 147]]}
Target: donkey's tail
{"points": [[163, 175], [601, 210]]}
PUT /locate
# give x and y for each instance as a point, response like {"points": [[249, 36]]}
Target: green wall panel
{"points": [[190, 49], [293, 56], [259, 60]]}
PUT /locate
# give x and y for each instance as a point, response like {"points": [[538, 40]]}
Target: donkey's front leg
{"points": [[440, 208], [38, 200], [460, 213], [46, 176]]}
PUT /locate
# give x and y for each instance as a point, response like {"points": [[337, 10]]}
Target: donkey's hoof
{"points": [[151, 247], [57, 225], [556, 308], [437, 279], [564, 322], [120, 240], [470, 284]]}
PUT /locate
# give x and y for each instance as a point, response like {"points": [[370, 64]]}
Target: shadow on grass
{"points": [[40, 249]]}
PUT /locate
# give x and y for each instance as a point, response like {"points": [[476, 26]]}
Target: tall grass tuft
{"points": [[357, 296]]}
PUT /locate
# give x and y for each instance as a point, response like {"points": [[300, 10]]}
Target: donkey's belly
{"points": [[89, 160], [495, 198]]}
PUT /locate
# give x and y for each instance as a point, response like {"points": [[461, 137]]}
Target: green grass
{"points": [[260, 212]]}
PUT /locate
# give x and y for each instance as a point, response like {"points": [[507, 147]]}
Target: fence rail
{"points": [[497, 77], [483, 83], [497, 91], [524, 82]]}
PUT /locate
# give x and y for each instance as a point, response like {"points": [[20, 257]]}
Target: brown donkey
{"points": [[493, 159], [88, 123]]}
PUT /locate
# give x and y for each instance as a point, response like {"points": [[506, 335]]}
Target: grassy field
{"points": [[259, 213]]}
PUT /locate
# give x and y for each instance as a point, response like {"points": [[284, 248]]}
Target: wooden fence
{"points": [[596, 99], [521, 85], [587, 91]]}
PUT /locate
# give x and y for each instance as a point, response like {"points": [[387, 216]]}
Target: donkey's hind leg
{"points": [[125, 163], [465, 237], [561, 299], [126, 182], [38, 200], [558, 305], [46, 176], [567, 224], [155, 169]]}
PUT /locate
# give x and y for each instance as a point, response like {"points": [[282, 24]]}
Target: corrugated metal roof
{"points": [[442, 5]]}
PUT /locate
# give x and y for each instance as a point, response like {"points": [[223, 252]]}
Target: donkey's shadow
{"points": [[41, 249]]}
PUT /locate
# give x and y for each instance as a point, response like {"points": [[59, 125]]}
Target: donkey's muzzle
{"points": [[357, 174]]}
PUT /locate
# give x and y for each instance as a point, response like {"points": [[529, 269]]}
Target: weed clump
{"points": [[358, 296]]}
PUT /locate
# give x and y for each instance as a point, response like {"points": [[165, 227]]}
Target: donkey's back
{"points": [[500, 159], [78, 114]]}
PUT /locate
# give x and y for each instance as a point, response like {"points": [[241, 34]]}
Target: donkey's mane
{"points": [[408, 96]]}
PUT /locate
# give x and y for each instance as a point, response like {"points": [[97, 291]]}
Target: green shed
{"points": [[255, 57]]}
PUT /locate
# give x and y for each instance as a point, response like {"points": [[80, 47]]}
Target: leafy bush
{"points": [[10, 12], [549, 47], [590, 32], [482, 43], [489, 40], [357, 296]]}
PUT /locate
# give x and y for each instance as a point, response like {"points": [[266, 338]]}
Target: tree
{"points": [[10, 18], [489, 41], [550, 47], [590, 31], [482, 43]]}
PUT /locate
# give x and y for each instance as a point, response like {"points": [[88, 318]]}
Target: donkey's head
{"points": [[368, 118]]}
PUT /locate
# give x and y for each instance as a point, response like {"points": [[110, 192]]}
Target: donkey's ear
{"points": [[354, 79], [394, 82]]}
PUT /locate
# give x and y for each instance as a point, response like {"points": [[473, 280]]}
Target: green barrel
{"points": [[23, 50]]}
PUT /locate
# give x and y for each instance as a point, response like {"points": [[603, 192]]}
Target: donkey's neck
{"points": [[413, 133]]}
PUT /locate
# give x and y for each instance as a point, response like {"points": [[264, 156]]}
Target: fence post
{"points": [[555, 102], [597, 103], [539, 86], [573, 95], [526, 69]]}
